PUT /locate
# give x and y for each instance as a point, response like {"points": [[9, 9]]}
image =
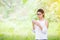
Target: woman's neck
{"points": [[41, 19]]}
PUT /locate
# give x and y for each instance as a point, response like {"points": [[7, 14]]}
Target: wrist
{"points": [[33, 31]]}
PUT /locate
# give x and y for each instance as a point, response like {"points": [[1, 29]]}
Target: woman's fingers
{"points": [[34, 21]]}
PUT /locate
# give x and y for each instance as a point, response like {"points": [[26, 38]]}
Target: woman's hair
{"points": [[41, 10]]}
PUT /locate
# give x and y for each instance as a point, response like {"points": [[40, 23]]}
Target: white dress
{"points": [[41, 34]]}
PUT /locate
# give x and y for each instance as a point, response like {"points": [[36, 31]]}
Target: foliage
{"points": [[16, 17]]}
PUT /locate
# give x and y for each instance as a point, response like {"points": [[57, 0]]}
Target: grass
{"points": [[53, 37], [16, 37], [23, 37]]}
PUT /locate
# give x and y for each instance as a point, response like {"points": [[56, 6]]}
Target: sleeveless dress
{"points": [[41, 34]]}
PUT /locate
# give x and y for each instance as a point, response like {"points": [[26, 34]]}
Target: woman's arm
{"points": [[46, 23], [45, 29], [37, 23], [33, 26], [42, 29]]}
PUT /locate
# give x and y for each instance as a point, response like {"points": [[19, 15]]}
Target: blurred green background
{"points": [[16, 17]]}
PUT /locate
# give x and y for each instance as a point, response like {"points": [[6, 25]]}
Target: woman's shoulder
{"points": [[46, 21]]}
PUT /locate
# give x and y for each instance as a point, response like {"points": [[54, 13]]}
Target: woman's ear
{"points": [[43, 14]]}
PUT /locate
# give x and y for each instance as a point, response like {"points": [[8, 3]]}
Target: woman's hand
{"points": [[35, 22]]}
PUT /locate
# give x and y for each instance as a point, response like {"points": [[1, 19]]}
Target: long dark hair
{"points": [[41, 10]]}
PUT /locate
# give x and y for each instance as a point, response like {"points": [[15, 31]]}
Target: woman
{"points": [[40, 26]]}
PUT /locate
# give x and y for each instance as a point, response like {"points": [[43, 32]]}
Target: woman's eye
{"points": [[38, 14]]}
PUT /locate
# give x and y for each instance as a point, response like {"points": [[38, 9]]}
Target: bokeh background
{"points": [[16, 18]]}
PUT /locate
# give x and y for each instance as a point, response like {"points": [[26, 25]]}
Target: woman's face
{"points": [[40, 15]]}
